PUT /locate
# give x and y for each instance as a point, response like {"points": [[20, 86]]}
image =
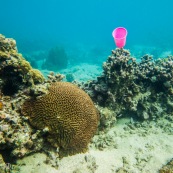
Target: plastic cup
{"points": [[119, 34]]}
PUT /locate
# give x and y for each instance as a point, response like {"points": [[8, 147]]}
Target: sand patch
{"points": [[133, 148]]}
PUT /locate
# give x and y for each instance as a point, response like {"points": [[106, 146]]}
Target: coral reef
{"points": [[129, 88], [2, 165], [107, 118], [57, 59], [67, 113], [65, 116], [168, 168], [17, 138], [36, 76], [20, 82], [17, 80], [15, 72]]}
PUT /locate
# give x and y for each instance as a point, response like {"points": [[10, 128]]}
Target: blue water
{"points": [[42, 24]]}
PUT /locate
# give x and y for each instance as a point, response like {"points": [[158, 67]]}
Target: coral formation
{"points": [[129, 88], [107, 118], [17, 138], [67, 113], [168, 168], [57, 59], [36, 76], [1, 105], [64, 115], [15, 71], [2, 165]]}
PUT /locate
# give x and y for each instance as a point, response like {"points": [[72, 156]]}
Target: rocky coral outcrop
{"points": [[17, 138], [15, 72], [141, 89], [18, 81], [127, 87]]}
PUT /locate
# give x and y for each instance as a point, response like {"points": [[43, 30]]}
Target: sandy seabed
{"points": [[125, 148]]}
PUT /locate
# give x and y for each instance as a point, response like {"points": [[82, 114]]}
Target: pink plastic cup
{"points": [[119, 35]]}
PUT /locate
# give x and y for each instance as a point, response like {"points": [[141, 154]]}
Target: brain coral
{"points": [[68, 113]]}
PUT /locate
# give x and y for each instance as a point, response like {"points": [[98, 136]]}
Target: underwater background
{"points": [[115, 112], [88, 25]]}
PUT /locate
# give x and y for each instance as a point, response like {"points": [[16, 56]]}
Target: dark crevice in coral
{"points": [[6, 154], [11, 81], [10, 87]]}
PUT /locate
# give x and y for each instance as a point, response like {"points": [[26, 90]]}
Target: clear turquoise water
{"points": [[41, 24]]}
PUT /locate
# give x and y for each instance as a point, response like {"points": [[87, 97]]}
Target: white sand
{"points": [[135, 150]]}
